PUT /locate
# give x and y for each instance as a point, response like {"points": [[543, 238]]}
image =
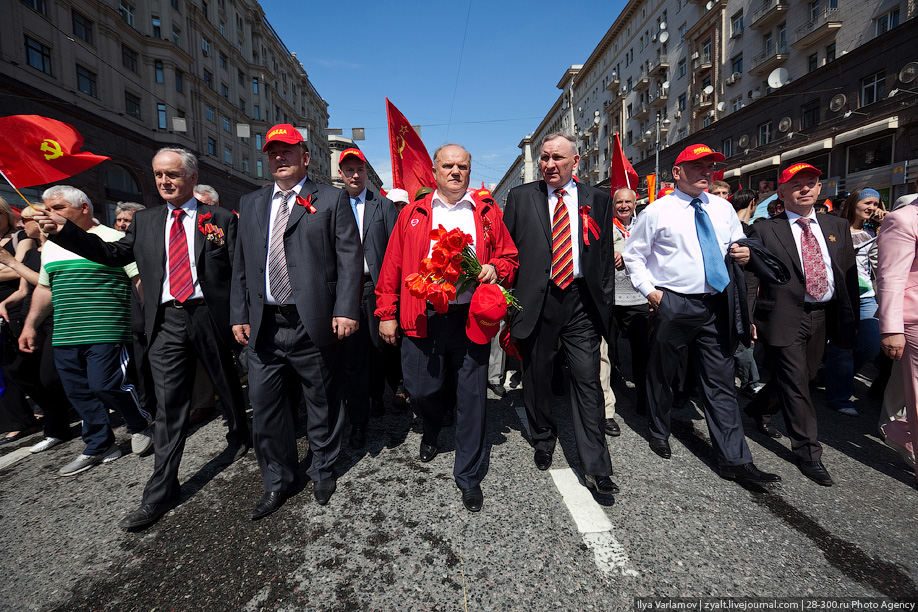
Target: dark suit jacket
{"points": [[324, 260], [527, 218], [778, 309], [145, 242], [379, 215]]}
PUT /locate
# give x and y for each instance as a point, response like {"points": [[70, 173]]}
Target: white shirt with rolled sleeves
{"points": [[663, 250], [797, 231]]}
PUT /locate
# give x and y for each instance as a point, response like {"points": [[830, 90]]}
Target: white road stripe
{"points": [[11, 458]]}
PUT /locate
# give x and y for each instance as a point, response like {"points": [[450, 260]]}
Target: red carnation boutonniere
{"points": [[211, 232], [307, 203], [589, 225]]}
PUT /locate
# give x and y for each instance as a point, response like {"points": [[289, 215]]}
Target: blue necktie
{"points": [[715, 270], [354, 202]]}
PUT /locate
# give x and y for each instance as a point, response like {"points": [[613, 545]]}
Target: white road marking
{"points": [[11, 458]]}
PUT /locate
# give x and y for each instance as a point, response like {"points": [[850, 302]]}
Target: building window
{"points": [[256, 113], [682, 30], [810, 114], [241, 78], [126, 10], [242, 104], [209, 112], [179, 81], [222, 29], [245, 164], [82, 27], [630, 139], [683, 134], [737, 24], [830, 53], [208, 78], [726, 147], [737, 63], [737, 103], [224, 90], [205, 46], [682, 99], [226, 123], [86, 81], [707, 121], [277, 113], [38, 55], [129, 58], [812, 62], [259, 169], [37, 5], [157, 27], [873, 88], [223, 61], [211, 146], [681, 68], [177, 36], [258, 141], [175, 4], [765, 133], [161, 116], [870, 155], [158, 71], [255, 85], [886, 22], [132, 105], [228, 155], [204, 10]]}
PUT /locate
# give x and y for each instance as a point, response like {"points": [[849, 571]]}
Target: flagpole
{"points": [[29, 204]]}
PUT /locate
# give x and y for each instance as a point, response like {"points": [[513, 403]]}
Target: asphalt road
{"points": [[395, 535]]}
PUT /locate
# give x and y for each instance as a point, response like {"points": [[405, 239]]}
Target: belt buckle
{"points": [[177, 304]]}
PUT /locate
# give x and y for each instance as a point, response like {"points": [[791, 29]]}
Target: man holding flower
{"points": [[425, 287]]}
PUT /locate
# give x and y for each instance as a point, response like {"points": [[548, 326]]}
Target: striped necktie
{"points": [[180, 285], [278, 277], [562, 255]]}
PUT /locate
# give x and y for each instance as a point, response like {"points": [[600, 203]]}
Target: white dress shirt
{"points": [[190, 225], [461, 215], [570, 202], [361, 208], [275, 207], [663, 250], [798, 234]]}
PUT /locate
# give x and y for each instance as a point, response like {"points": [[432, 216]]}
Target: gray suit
{"points": [[325, 267]]}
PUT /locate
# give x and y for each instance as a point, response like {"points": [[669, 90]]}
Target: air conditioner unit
{"points": [[730, 80], [695, 56], [735, 76], [677, 115]]}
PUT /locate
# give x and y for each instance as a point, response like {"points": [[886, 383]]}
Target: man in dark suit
{"points": [[184, 252], [566, 287], [677, 258], [364, 366], [793, 320], [297, 282]]}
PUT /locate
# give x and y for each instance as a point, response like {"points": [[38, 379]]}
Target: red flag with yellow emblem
{"points": [[36, 150], [412, 169]]}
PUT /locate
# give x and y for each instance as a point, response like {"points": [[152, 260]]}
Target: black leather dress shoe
{"points": [[542, 459], [269, 502], [472, 498], [497, 390], [358, 436], [767, 429], [323, 490], [815, 471], [145, 516], [602, 485], [427, 452], [661, 447], [612, 428], [747, 471]]}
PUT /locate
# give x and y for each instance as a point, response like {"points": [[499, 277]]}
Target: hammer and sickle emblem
{"points": [[52, 149]]}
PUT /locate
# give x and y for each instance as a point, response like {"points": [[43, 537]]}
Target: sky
{"points": [[479, 73]]}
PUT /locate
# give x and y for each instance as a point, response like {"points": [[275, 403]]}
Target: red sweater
{"points": [[410, 243]]}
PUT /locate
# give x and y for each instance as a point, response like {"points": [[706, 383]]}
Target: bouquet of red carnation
{"points": [[451, 269]]}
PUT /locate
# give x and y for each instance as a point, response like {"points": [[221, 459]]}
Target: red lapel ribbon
{"points": [[306, 202], [589, 225]]}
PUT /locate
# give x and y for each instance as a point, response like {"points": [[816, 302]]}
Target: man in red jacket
{"points": [[436, 342]]}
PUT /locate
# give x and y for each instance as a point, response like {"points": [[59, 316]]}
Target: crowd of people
{"points": [[309, 293]]}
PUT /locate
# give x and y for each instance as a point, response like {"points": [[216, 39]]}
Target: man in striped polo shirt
{"points": [[92, 323]]}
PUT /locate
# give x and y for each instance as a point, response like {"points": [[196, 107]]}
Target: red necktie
{"points": [[562, 256], [814, 268], [180, 285]]}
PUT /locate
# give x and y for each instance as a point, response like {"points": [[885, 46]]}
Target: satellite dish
{"points": [[664, 36], [743, 141], [596, 120], [662, 25], [908, 73], [838, 102], [709, 5], [721, 106], [665, 85], [708, 90], [778, 78], [595, 113], [784, 124], [756, 94]]}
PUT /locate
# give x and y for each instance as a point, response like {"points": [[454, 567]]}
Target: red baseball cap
{"points": [[697, 151], [665, 191], [282, 132], [352, 152], [481, 195], [487, 310], [790, 171]]}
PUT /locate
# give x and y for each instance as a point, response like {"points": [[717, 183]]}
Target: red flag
{"points": [[623, 174], [382, 192], [36, 151], [652, 187], [412, 169], [718, 175]]}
